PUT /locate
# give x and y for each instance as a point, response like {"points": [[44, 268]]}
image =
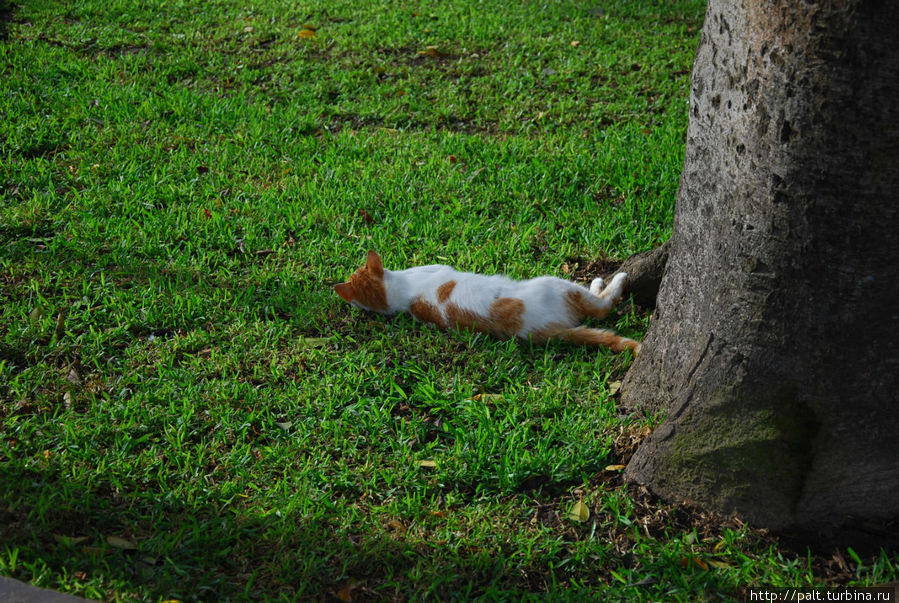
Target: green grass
{"points": [[189, 411]]}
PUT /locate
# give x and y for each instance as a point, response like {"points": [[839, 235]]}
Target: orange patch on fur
{"points": [[465, 319], [444, 291], [367, 289], [579, 306], [506, 315], [426, 312]]}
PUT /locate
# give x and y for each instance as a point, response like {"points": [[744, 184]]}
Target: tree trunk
{"points": [[774, 349]]}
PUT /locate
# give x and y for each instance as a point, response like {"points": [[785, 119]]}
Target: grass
{"points": [[189, 412]]}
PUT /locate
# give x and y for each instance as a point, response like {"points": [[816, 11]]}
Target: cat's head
{"points": [[365, 287]]}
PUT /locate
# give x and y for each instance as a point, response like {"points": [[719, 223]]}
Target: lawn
{"points": [[188, 411]]}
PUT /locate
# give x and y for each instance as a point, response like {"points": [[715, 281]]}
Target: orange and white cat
{"points": [[540, 308]]}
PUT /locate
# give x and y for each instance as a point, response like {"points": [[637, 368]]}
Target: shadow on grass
{"points": [[167, 548]]}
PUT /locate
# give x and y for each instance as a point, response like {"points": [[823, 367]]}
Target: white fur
{"points": [[544, 297]]}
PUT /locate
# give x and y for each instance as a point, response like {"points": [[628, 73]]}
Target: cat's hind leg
{"points": [[597, 303]]}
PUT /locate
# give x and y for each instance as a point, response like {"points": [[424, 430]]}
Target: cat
{"points": [[541, 308]]}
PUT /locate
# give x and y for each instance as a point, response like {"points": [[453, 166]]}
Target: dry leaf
{"points": [[60, 324], [566, 269], [615, 467], [575, 43], [426, 463], [69, 540], [120, 543], [285, 425], [614, 387], [452, 158], [686, 562], [579, 512], [396, 525], [718, 564], [345, 594], [314, 342], [306, 33], [67, 400], [487, 397], [431, 51], [73, 377], [36, 315], [248, 29], [366, 217]]}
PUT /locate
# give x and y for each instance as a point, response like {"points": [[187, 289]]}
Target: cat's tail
{"points": [[597, 337]]}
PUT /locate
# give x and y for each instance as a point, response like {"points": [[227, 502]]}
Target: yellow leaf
{"points": [[426, 463], [614, 386], [487, 397], [615, 467], [396, 525], [431, 51], [306, 33], [718, 564], [579, 512], [575, 43]]}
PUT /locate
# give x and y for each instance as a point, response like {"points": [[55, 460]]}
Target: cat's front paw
{"points": [[615, 289]]}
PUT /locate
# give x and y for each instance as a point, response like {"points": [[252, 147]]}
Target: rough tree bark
{"points": [[774, 349]]}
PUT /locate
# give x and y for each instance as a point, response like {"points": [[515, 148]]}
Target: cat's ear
{"points": [[374, 265], [344, 290]]}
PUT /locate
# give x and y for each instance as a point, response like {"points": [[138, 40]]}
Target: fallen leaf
{"points": [[686, 562], [60, 324], [285, 425], [718, 564], [452, 159], [248, 29], [306, 33], [438, 513], [426, 463], [614, 387], [615, 467], [73, 377], [366, 217], [69, 540], [345, 594], [579, 512], [566, 269], [431, 51], [314, 342], [396, 525], [487, 397], [36, 315], [120, 543], [575, 43], [67, 400]]}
